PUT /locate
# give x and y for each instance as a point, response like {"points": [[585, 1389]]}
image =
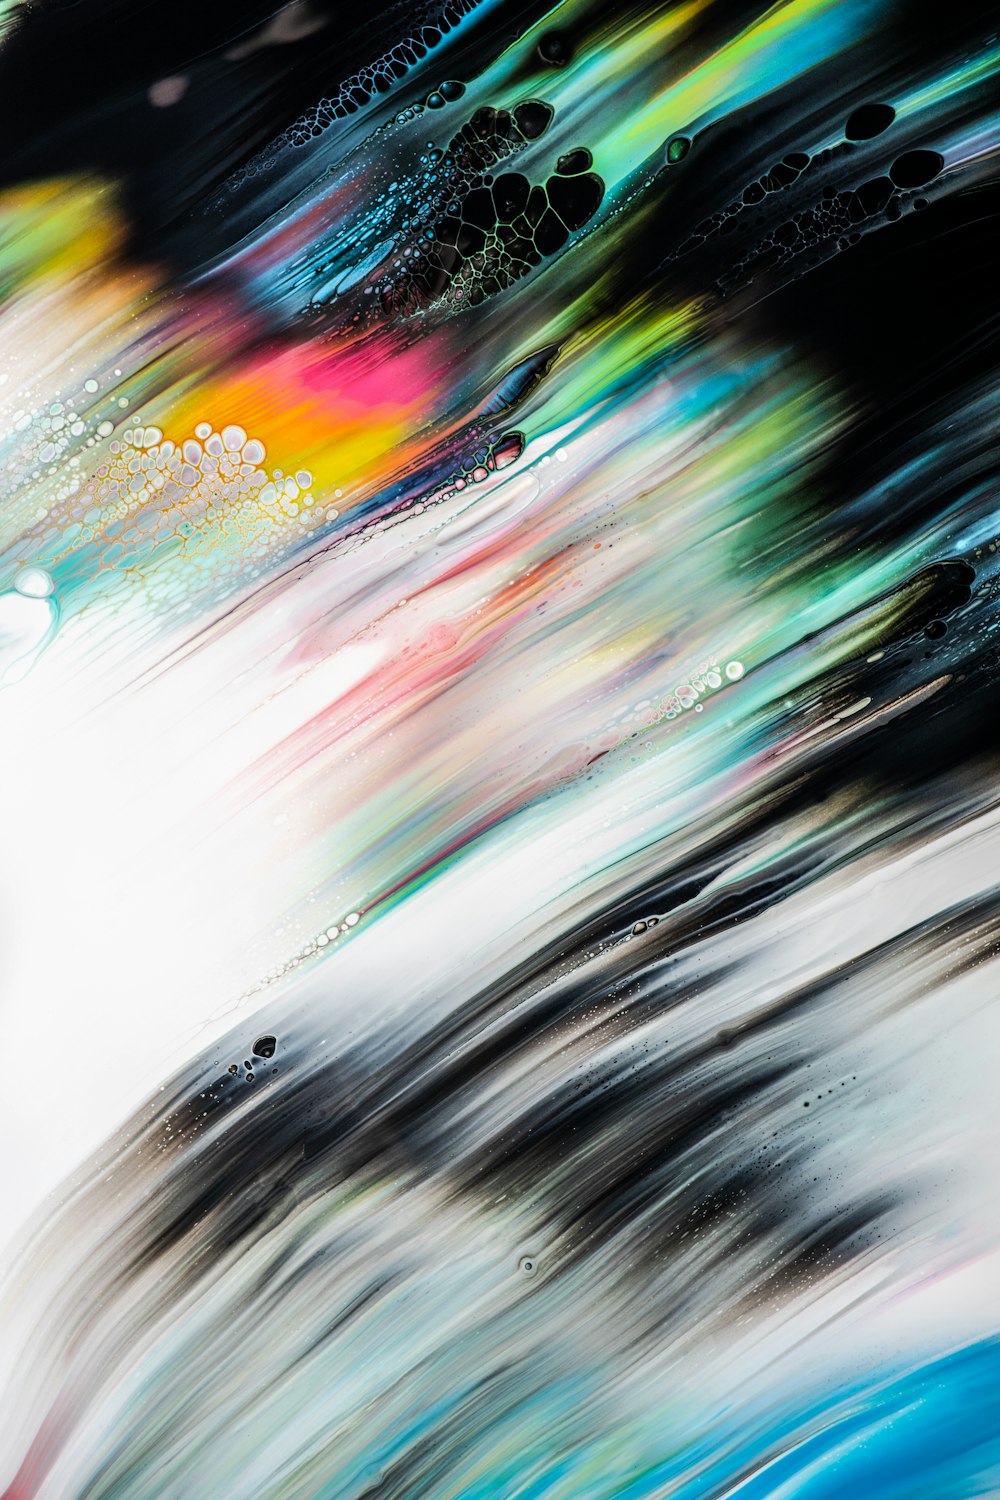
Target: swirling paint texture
{"points": [[498, 606]]}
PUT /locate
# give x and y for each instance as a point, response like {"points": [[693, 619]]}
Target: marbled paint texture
{"points": [[499, 593]]}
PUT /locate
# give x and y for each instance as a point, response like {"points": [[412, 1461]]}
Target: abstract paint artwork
{"points": [[499, 752]]}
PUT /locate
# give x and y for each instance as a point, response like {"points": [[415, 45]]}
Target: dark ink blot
{"points": [[915, 168], [265, 1046], [677, 149], [555, 48], [533, 118], [936, 629], [510, 197], [868, 121], [575, 199], [451, 90], [574, 162]]}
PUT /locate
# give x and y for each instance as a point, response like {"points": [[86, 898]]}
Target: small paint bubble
{"points": [[34, 583], [555, 48], [868, 121]]}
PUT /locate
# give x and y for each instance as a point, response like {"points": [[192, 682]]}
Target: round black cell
{"points": [[868, 121], [677, 149], [575, 199], [532, 118], [477, 208], [483, 123], [945, 586], [579, 160], [915, 168], [451, 90], [265, 1046], [510, 195], [935, 630], [555, 48]]}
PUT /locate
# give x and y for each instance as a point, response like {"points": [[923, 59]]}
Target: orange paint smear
{"points": [[347, 414]]}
